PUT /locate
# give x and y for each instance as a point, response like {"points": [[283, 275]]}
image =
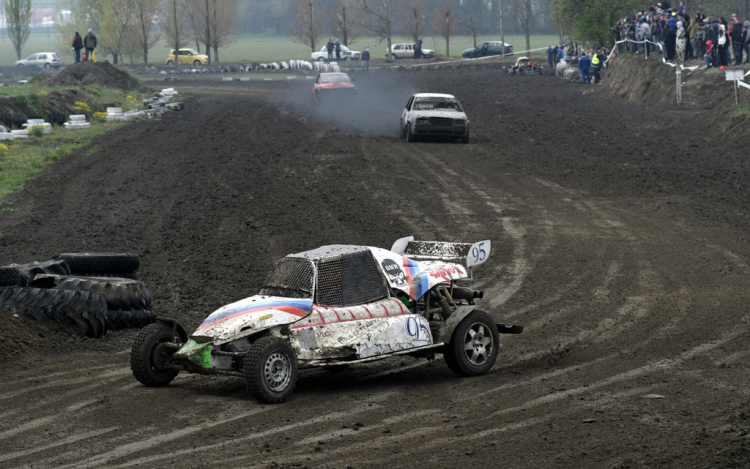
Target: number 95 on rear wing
{"points": [[466, 254]]}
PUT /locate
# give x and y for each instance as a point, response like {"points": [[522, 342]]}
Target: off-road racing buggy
{"points": [[525, 66], [335, 305]]}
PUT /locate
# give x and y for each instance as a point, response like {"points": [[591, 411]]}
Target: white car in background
{"points": [[406, 51], [41, 59], [346, 54], [434, 114]]}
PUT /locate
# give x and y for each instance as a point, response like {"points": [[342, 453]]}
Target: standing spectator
{"points": [[337, 46], [418, 49], [551, 57], [680, 41], [709, 52], [683, 10], [669, 42], [692, 37], [618, 36], [584, 63], [723, 46], [366, 59], [746, 41], [329, 49], [735, 34], [662, 32], [560, 53], [596, 66], [89, 42], [77, 46]]}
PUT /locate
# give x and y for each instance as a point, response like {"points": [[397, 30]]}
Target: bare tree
{"points": [[308, 23], [173, 25], [343, 20], [223, 24], [146, 33], [524, 19], [378, 18], [469, 20], [199, 14], [444, 22], [18, 22], [414, 21], [114, 19]]}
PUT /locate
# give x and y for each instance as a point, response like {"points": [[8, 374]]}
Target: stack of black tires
{"points": [[96, 292]]}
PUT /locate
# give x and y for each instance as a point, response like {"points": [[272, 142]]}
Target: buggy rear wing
{"points": [[466, 254]]}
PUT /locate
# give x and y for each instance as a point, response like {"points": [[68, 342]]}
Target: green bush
{"points": [[35, 102], [36, 131]]}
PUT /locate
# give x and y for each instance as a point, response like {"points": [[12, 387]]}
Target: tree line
{"points": [[130, 28]]}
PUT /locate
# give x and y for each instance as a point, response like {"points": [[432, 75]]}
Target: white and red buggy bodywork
{"points": [[336, 305]]}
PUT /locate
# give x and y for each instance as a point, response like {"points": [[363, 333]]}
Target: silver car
{"points": [[41, 59], [345, 53], [406, 51], [434, 114]]}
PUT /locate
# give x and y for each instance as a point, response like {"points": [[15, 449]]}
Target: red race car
{"points": [[333, 84]]}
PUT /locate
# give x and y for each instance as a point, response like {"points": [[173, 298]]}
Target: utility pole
{"points": [[502, 29]]}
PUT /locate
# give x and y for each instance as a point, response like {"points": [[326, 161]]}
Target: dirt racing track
{"points": [[620, 244]]}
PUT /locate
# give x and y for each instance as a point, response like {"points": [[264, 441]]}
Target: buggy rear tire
{"points": [[149, 358], [472, 350], [270, 370]]}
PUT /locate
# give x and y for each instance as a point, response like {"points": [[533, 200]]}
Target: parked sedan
{"points": [[488, 48], [406, 51], [346, 54], [42, 59], [434, 114]]}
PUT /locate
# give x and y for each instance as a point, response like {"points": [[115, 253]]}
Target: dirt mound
{"points": [[652, 82], [89, 73], [54, 107]]}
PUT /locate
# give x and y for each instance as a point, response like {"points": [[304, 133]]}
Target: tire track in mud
{"points": [[151, 461], [429, 435]]}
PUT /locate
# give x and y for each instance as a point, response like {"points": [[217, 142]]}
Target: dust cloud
{"points": [[375, 109]]}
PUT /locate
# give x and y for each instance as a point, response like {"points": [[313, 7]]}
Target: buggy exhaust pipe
{"points": [[467, 294]]}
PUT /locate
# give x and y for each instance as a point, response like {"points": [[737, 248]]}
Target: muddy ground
{"points": [[619, 237]]}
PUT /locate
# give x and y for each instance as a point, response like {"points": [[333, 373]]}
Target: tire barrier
{"points": [[104, 262], [9, 277], [27, 272], [119, 293], [86, 310], [95, 292], [289, 65]]}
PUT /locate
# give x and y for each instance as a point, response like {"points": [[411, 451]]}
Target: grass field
{"points": [[269, 48], [22, 159]]}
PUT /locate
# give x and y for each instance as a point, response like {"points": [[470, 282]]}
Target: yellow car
{"points": [[188, 56]]}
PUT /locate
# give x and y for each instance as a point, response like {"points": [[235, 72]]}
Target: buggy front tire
{"points": [[150, 358], [472, 350], [270, 370]]}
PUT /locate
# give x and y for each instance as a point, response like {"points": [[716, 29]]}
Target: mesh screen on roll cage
{"points": [[349, 279], [293, 273]]}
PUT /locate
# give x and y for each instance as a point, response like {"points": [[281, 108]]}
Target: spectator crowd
{"points": [[679, 34]]}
